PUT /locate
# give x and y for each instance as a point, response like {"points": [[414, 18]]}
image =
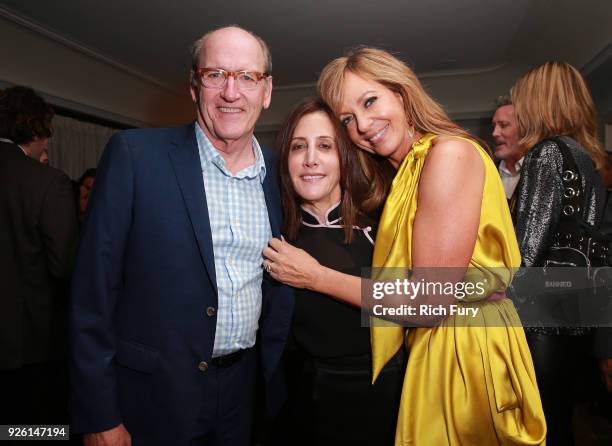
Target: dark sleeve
{"points": [[538, 202], [603, 342], [95, 287], [58, 227]]}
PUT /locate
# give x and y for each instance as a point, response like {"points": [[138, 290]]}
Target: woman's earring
{"points": [[410, 131]]}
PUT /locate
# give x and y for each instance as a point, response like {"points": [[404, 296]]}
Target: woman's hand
{"points": [[291, 265]]}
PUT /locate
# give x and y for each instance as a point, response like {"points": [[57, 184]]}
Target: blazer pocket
{"points": [[137, 356]]}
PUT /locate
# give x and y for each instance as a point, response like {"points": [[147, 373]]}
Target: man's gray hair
{"points": [[503, 100], [199, 44]]}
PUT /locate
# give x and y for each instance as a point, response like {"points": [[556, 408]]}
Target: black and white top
{"points": [[322, 326]]}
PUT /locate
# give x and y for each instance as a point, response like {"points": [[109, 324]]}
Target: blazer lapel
{"points": [[272, 195], [188, 170]]}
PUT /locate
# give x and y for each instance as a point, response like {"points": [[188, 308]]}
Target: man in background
{"points": [[84, 186], [44, 157], [507, 149], [38, 238]]}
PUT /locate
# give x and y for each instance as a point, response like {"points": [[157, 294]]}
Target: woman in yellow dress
{"points": [[469, 381]]}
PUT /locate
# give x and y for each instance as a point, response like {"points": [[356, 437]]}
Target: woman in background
{"points": [[551, 101], [329, 191], [467, 381]]}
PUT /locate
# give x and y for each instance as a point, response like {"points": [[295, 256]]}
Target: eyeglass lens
{"points": [[244, 80]]}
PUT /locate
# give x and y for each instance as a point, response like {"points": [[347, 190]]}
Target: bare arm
{"points": [[446, 222], [449, 201]]}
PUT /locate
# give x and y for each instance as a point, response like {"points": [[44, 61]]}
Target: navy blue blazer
{"points": [[145, 276]]}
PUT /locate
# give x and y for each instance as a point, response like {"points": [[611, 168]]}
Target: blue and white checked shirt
{"points": [[240, 231]]}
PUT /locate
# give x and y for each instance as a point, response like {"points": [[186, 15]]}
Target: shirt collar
{"points": [[11, 142], [332, 216], [517, 167], [210, 155]]}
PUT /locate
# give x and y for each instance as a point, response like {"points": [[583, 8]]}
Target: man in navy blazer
{"points": [[169, 293]]}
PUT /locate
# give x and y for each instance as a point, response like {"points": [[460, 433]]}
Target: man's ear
{"points": [[267, 92], [194, 87]]}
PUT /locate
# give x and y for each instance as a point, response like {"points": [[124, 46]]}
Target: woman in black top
{"points": [[328, 190], [553, 101]]}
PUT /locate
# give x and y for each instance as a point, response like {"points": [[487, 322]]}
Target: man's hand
{"points": [[605, 365], [117, 436]]}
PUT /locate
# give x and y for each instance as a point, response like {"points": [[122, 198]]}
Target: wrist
{"points": [[318, 278]]}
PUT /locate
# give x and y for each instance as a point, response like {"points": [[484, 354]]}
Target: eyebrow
{"points": [[366, 93], [318, 137]]}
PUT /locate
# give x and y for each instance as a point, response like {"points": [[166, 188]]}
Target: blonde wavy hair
{"points": [[422, 111], [553, 99]]}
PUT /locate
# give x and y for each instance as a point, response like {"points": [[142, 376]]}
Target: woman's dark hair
{"points": [[24, 115], [363, 181]]}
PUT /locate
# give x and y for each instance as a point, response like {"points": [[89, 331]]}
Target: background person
{"points": [[84, 186], [507, 149], [44, 157], [38, 238], [553, 100]]}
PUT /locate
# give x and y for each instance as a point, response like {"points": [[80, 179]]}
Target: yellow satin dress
{"points": [[464, 385]]}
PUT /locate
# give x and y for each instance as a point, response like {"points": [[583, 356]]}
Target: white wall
{"points": [[77, 80]]}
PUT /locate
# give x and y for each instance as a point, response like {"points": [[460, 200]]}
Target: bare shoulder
{"points": [[454, 155], [453, 149]]}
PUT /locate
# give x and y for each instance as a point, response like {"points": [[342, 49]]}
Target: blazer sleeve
{"points": [[58, 226], [96, 285]]}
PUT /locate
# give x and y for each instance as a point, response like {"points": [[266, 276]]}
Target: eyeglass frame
{"points": [[200, 72]]}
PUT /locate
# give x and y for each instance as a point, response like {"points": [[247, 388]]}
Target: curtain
{"points": [[77, 145]]}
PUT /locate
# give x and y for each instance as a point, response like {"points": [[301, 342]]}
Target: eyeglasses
{"points": [[216, 78]]}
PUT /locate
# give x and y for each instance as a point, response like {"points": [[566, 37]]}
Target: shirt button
{"points": [[203, 366], [210, 311]]}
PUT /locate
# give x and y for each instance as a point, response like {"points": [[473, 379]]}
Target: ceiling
{"points": [[150, 39]]}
